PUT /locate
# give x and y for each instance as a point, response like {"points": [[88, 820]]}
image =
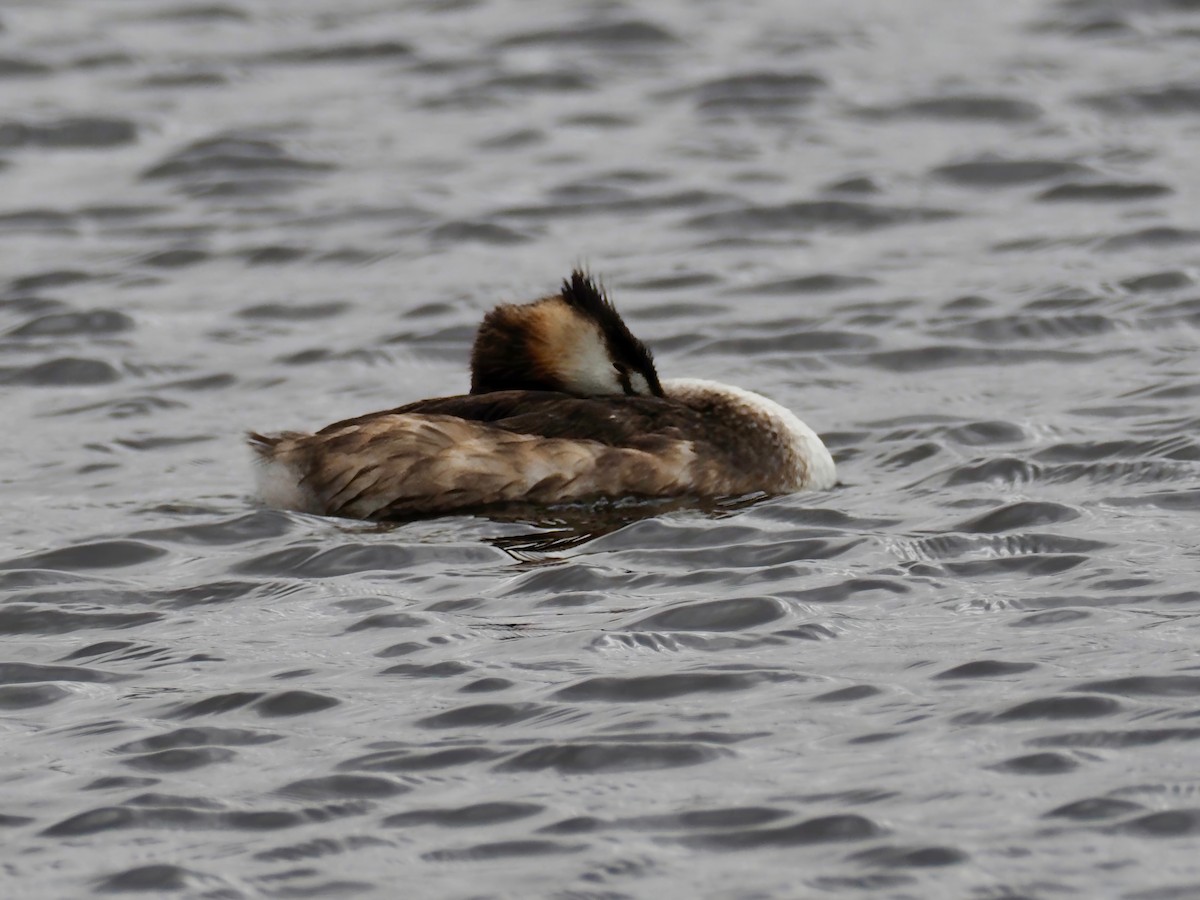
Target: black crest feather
{"points": [[585, 295]]}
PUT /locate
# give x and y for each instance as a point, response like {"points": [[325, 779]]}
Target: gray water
{"points": [[960, 239]]}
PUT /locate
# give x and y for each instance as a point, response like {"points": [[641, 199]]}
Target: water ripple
{"points": [[957, 239]]}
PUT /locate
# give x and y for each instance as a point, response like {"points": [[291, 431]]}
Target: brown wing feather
{"points": [[616, 421], [403, 464]]}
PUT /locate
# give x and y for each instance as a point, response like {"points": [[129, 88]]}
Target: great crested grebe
{"points": [[565, 406]]}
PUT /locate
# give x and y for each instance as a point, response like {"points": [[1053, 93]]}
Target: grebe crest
{"points": [[574, 342]]}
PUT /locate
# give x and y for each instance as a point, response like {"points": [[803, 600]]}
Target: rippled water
{"points": [[960, 239]]}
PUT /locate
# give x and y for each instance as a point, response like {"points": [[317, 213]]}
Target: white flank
{"points": [[279, 486]]}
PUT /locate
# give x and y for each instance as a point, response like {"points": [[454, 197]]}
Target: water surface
{"points": [[960, 240]]}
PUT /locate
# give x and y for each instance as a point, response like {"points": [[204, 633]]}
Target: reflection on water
{"points": [[570, 525], [959, 240]]}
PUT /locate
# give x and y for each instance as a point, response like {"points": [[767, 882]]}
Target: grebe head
{"points": [[574, 341]]}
